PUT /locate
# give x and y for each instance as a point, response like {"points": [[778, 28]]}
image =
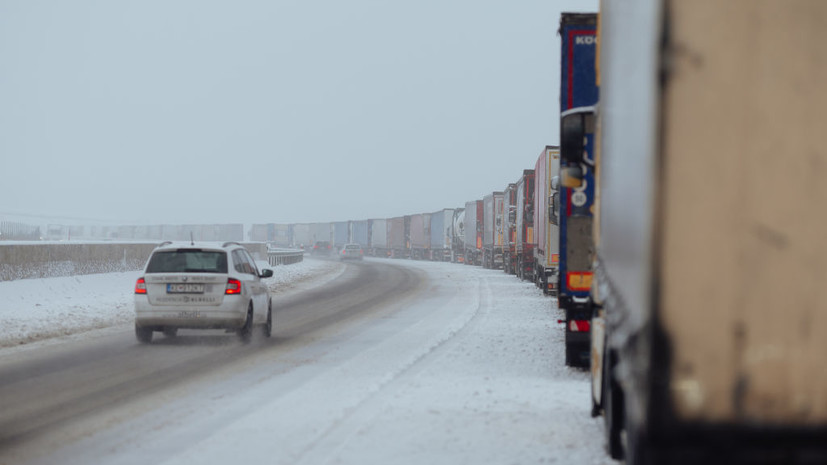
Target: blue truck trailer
{"points": [[578, 96]]}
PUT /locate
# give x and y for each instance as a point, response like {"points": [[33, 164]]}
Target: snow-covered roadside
{"points": [[38, 309]]}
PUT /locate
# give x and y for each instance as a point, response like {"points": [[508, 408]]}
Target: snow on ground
{"points": [[469, 372], [38, 309]]}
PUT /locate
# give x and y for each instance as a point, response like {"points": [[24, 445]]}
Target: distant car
{"points": [[322, 248], [352, 252], [201, 286]]}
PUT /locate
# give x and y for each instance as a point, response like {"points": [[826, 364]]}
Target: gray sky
{"points": [[271, 111]]}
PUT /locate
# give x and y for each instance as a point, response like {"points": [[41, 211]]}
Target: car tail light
{"points": [[233, 286], [579, 326], [140, 286]]}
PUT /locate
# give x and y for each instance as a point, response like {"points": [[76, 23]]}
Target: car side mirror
{"points": [[266, 273]]}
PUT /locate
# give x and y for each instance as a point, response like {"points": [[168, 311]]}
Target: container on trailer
{"points": [[379, 245], [301, 236], [420, 235], [341, 234], [524, 236], [709, 235], [360, 231], [473, 232], [321, 232], [398, 236], [509, 228], [492, 233], [442, 234], [546, 219], [458, 242]]}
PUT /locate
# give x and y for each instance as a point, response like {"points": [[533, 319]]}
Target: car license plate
{"points": [[185, 288]]}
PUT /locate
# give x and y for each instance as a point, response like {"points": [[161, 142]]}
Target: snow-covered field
{"points": [[34, 310]]}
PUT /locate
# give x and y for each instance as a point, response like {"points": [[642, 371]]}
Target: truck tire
{"points": [[612, 410], [640, 451]]}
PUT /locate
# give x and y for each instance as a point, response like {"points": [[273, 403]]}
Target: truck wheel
{"points": [[612, 410], [640, 450]]}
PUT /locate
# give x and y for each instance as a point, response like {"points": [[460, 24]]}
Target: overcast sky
{"points": [[271, 111]]}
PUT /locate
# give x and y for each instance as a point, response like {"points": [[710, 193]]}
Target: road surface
{"points": [[391, 362]]}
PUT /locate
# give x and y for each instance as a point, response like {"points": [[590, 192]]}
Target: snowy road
{"points": [[390, 362]]}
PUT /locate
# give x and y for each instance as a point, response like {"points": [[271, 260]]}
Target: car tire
{"points": [[246, 331], [143, 335], [170, 332], [268, 326]]}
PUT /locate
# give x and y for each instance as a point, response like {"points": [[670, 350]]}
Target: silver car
{"points": [[351, 252], [202, 286]]}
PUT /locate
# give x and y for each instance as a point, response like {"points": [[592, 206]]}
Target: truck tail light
{"points": [[140, 286], [579, 326], [233, 286]]}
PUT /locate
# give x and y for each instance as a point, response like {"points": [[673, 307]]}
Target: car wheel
{"points": [[246, 331], [143, 335], [170, 332], [268, 327]]}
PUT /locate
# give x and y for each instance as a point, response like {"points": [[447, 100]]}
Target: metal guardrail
{"points": [[284, 256]]}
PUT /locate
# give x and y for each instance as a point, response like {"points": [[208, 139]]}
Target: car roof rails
{"points": [[230, 243], [164, 243]]}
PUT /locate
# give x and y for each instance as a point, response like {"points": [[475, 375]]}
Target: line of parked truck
{"points": [[678, 224]]}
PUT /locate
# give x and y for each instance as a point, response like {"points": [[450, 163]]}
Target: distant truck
{"points": [[300, 238], [398, 236], [379, 246], [546, 220], [492, 232], [341, 234], [710, 248], [578, 95], [524, 225], [509, 228], [360, 231], [458, 241], [420, 233], [442, 233], [473, 232], [321, 232]]}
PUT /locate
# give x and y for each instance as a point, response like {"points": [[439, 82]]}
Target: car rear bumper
{"points": [[229, 315]]}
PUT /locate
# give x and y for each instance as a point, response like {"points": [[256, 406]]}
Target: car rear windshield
{"points": [[353, 247], [187, 261]]}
